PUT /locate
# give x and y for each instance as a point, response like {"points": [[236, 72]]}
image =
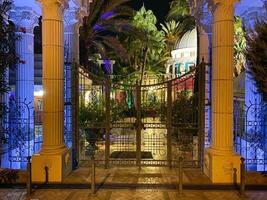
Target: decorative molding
{"points": [[49, 3], [71, 19], [53, 9], [25, 18]]}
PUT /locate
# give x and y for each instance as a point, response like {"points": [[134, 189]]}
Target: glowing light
{"points": [[39, 93]]}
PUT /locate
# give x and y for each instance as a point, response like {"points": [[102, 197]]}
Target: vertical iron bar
{"points": [[180, 175], [108, 120], [242, 177], [169, 123], [201, 111], [29, 176], [75, 109], [138, 125], [93, 176]]}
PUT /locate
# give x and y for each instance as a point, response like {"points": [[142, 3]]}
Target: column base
{"points": [[59, 165], [222, 167]]}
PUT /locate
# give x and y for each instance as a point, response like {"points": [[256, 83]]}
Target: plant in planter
{"points": [[91, 120]]}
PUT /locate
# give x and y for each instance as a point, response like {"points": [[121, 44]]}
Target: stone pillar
{"points": [[54, 153], [220, 159], [24, 19]]}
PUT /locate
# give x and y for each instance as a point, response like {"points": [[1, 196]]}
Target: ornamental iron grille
{"points": [[251, 141], [18, 133], [68, 104], [92, 120], [131, 124]]}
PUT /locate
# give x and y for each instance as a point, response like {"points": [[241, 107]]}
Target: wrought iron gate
{"points": [[151, 125], [251, 135]]}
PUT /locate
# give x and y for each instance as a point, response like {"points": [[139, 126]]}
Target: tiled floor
{"points": [[144, 194], [129, 175], [120, 184]]}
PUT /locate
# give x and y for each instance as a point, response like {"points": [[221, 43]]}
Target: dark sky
{"points": [[159, 7]]}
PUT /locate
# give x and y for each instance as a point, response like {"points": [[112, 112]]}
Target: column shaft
{"points": [[222, 77], [53, 76], [25, 69]]}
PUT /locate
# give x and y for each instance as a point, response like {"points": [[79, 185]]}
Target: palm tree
{"points": [[178, 8], [180, 12], [100, 30], [148, 49], [173, 32], [257, 55], [179, 21]]}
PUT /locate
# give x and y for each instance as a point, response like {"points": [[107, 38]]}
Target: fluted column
{"points": [[53, 74], [25, 19], [220, 159], [222, 76], [53, 155]]}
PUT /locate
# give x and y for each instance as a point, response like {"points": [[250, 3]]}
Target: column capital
{"points": [[223, 9], [53, 9], [51, 3], [225, 2], [24, 18], [72, 20]]}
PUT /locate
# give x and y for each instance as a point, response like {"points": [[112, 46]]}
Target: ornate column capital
{"points": [[53, 9], [225, 2], [223, 9], [25, 19], [72, 20]]}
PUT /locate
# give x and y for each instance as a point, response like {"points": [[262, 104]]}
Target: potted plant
{"points": [[91, 120]]}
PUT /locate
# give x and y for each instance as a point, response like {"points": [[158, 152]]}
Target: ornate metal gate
{"points": [[151, 124], [254, 140]]}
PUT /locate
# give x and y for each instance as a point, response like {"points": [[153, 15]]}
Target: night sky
{"points": [[159, 7]]}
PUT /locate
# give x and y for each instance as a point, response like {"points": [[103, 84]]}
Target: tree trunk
{"points": [[144, 64]]}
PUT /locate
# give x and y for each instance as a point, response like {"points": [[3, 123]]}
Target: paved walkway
{"points": [[130, 183], [143, 194], [150, 175], [132, 175]]}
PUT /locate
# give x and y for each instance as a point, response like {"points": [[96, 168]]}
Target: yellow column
{"points": [[220, 160], [54, 153]]}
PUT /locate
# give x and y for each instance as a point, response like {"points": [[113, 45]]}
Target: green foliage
{"points": [[257, 55], [8, 57], [173, 32], [90, 113], [179, 21], [100, 30], [118, 110], [178, 9], [180, 12], [184, 108], [239, 47], [146, 51]]}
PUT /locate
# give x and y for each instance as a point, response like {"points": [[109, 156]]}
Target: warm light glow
{"points": [[39, 93]]}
